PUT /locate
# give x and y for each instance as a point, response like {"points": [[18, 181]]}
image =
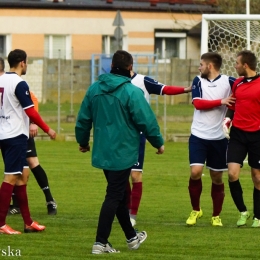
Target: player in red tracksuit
{"points": [[244, 134]]}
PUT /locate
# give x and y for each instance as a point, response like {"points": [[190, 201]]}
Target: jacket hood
{"points": [[110, 82]]}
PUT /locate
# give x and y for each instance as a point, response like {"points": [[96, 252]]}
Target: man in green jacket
{"points": [[118, 112]]}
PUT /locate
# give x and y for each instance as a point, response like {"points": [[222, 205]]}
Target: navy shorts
{"points": [[14, 154], [139, 165], [242, 143], [213, 152], [31, 149]]}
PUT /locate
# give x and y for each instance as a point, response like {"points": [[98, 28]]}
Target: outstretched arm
{"points": [[154, 87], [202, 104], [174, 90]]}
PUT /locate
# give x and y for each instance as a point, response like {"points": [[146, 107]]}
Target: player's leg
{"points": [[112, 205], [13, 152], [134, 242], [197, 157], [40, 176], [253, 162], [14, 207], [255, 173], [128, 192], [21, 194], [236, 153], [217, 195], [5, 198], [136, 194], [137, 184], [216, 162]]}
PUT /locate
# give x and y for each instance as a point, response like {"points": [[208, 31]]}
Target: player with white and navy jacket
{"points": [[149, 86], [211, 93], [16, 107], [209, 113]]}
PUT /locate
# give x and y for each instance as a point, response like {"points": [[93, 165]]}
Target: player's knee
{"points": [[232, 176], [11, 178], [136, 176], [195, 175], [256, 178]]}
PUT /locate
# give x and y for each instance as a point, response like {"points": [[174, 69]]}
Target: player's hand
{"points": [[51, 133], [229, 101], [188, 89], [33, 130], [160, 150], [84, 149], [226, 126]]}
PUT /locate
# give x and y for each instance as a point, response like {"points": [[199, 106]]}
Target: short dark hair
{"points": [[2, 65], [249, 58], [213, 57], [122, 59], [15, 57]]}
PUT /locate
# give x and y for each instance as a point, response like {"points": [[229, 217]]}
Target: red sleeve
{"points": [[36, 118], [35, 101], [172, 90], [202, 104]]}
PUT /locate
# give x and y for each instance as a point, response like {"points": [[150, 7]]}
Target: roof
{"points": [[193, 6], [195, 30]]}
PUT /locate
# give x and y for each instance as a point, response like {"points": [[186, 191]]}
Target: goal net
{"points": [[229, 34]]}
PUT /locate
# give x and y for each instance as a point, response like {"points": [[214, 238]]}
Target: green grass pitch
{"points": [[79, 190]]}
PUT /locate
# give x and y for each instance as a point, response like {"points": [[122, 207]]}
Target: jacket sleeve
{"points": [[144, 118], [35, 101], [83, 123]]}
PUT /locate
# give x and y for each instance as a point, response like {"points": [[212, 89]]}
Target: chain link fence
{"points": [[60, 85]]}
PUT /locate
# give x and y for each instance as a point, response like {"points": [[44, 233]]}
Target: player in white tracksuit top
{"points": [[149, 86], [16, 107], [211, 93]]}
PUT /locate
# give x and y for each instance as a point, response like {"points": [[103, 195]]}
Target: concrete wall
{"points": [[44, 78]]}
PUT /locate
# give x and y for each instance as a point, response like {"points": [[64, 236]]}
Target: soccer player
{"points": [[244, 134], [118, 112], [149, 86], [211, 92], [16, 110], [38, 172]]}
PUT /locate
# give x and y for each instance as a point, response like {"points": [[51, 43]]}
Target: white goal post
{"points": [[228, 34]]}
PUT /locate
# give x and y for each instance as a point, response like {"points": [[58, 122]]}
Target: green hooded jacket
{"points": [[118, 112]]}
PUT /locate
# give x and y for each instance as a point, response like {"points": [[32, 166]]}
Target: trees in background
{"points": [[238, 6]]}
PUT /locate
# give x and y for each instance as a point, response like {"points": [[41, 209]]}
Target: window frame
{"points": [[49, 53], [182, 44]]}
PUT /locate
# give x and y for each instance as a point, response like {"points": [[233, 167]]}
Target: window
{"points": [[2, 46], [5, 45], [57, 46], [170, 44]]}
